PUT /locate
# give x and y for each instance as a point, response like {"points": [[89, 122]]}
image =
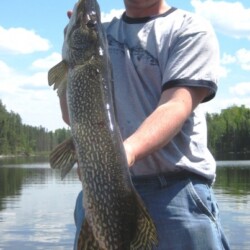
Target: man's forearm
{"points": [[164, 123], [155, 132]]}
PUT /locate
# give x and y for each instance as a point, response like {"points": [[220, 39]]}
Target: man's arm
{"points": [[175, 106]]}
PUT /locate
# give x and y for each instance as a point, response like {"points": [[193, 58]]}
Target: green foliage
{"points": [[229, 133], [20, 139]]}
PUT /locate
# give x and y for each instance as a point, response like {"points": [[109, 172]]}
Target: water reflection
{"points": [[10, 183], [15, 177], [232, 189], [234, 180], [36, 206]]}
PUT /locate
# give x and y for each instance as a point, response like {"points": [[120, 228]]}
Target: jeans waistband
{"points": [[165, 178]]}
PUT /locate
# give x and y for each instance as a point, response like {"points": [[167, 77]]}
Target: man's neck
{"points": [[142, 8]]}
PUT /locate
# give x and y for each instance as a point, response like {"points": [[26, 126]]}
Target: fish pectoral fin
{"points": [[57, 76], [62, 87], [145, 233], [86, 239], [63, 157]]}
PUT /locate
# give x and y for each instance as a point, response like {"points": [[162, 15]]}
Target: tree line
{"points": [[228, 134], [17, 138]]}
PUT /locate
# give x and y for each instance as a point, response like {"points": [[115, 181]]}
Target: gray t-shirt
{"points": [[150, 55]]}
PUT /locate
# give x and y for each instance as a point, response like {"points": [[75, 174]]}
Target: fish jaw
{"points": [[84, 36]]}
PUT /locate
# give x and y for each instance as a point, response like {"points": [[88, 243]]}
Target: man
{"points": [[164, 65]]}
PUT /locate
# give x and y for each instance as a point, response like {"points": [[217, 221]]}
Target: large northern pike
{"points": [[115, 217]]}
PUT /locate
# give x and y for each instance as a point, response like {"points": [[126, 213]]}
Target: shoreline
{"points": [[7, 156], [23, 155]]}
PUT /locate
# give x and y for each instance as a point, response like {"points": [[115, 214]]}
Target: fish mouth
{"points": [[91, 12], [91, 20]]}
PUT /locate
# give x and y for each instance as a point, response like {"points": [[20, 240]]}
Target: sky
{"points": [[31, 37]]}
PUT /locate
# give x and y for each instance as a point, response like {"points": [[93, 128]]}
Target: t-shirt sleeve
{"points": [[193, 57]]}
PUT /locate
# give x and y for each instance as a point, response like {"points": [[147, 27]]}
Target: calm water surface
{"points": [[36, 206]]}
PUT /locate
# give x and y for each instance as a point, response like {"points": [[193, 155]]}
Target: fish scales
{"points": [[115, 217]]}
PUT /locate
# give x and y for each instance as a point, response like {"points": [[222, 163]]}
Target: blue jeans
{"points": [[185, 213]]}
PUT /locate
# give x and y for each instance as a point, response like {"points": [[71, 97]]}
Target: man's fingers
{"points": [[69, 13]]}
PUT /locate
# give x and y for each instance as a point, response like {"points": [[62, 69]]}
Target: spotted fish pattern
{"points": [[115, 216]]}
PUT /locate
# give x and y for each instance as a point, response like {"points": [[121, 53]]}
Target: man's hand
{"points": [[69, 13], [129, 154]]}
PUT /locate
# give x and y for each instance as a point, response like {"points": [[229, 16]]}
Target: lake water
{"points": [[36, 206]]}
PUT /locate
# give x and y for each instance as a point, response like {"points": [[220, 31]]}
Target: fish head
{"points": [[84, 36]]}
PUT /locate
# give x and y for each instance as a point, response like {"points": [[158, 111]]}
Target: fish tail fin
{"points": [[145, 234], [57, 76], [63, 157]]}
